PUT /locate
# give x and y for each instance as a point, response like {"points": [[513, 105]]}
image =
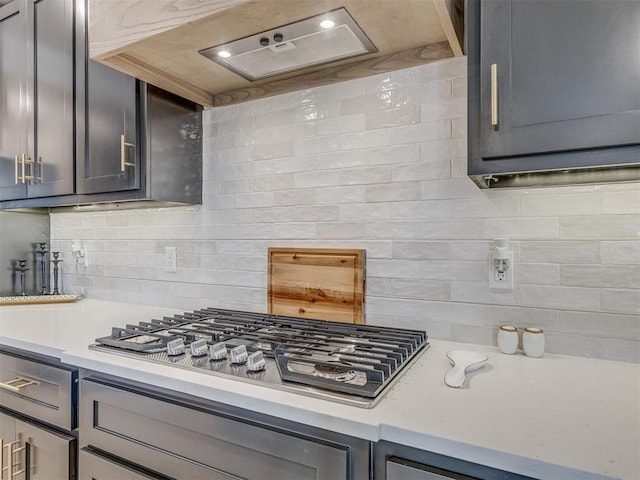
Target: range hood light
{"points": [[325, 38], [326, 24]]}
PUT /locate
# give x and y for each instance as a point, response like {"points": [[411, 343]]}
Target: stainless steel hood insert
{"points": [[293, 47]]}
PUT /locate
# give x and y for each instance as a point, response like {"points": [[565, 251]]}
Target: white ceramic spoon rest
{"points": [[462, 361]]}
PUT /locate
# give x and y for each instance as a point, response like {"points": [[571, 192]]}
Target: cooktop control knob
{"points": [[218, 351], [255, 362], [175, 347], [199, 348], [238, 354]]}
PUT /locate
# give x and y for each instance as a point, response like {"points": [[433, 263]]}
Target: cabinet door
{"points": [[112, 158], [51, 125], [565, 84], [35, 453], [13, 98]]}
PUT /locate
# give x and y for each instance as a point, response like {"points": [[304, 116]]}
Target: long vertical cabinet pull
{"points": [[123, 160], [40, 178], [494, 94], [11, 452], [27, 161], [23, 161]]}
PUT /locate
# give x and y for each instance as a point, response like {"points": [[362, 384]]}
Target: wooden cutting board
{"points": [[321, 283]]}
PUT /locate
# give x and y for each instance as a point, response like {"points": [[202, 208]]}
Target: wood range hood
{"points": [[159, 41]]}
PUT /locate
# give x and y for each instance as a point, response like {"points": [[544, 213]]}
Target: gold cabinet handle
{"points": [[13, 448], [29, 162], [40, 170], [494, 94], [123, 162], [23, 177], [17, 384]]}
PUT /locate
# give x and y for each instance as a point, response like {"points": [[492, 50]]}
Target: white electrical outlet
{"points": [[171, 259], [80, 253], [501, 280]]}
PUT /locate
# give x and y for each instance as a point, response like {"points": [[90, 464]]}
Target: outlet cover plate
{"points": [[501, 281]]}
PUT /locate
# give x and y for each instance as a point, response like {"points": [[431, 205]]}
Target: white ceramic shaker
{"points": [[533, 342], [508, 339]]}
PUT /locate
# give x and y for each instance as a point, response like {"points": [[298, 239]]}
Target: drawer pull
{"points": [[12, 469], [494, 94], [17, 384]]}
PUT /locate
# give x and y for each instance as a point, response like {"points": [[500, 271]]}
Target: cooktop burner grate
{"points": [[344, 362]]}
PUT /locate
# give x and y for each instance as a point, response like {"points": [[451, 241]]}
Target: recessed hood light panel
{"points": [[293, 47]]}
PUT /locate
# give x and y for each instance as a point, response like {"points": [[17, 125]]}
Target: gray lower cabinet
{"points": [[99, 466], [552, 85], [31, 451], [37, 417], [392, 461], [183, 438]]}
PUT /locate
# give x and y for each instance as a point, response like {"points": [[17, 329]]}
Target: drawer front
{"points": [[187, 443], [38, 390], [32, 452], [94, 466]]}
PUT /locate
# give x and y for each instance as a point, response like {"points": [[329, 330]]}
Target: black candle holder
{"points": [[55, 262], [42, 250], [22, 268]]}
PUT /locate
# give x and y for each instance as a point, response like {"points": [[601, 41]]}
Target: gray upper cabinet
{"points": [[13, 140], [37, 109], [553, 85], [111, 161], [77, 132]]}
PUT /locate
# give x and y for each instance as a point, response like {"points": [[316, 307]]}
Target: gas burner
{"points": [[338, 374], [352, 364]]}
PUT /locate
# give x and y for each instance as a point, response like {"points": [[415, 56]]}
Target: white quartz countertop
{"points": [[555, 417]]}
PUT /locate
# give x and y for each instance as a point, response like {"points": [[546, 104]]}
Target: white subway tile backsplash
{"points": [[393, 192], [368, 139], [365, 175], [377, 163], [453, 188], [621, 300], [444, 69], [600, 226], [317, 145], [560, 252], [367, 212], [537, 274], [623, 252], [295, 197], [616, 203], [345, 124], [560, 205], [340, 230], [522, 228], [423, 132], [392, 80], [295, 164], [323, 178], [393, 117], [425, 170], [604, 276], [572, 298]]}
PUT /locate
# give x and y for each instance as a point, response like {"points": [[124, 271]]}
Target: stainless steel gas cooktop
{"points": [[353, 364]]}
